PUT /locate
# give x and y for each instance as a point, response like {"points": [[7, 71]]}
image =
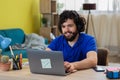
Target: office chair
{"points": [[102, 56]]}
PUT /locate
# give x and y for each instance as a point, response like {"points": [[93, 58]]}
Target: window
{"points": [[101, 5]]}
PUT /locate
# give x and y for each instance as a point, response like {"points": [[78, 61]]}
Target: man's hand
{"points": [[69, 67]]}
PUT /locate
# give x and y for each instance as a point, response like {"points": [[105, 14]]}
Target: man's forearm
{"points": [[90, 61], [86, 63]]}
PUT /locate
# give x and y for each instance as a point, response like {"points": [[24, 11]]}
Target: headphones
{"points": [[78, 22]]}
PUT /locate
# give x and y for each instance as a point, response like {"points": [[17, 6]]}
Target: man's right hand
{"points": [[69, 67]]}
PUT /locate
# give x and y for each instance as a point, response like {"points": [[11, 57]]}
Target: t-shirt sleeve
{"points": [[91, 45], [53, 44]]}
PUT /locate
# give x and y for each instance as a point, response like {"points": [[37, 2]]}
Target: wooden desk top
{"points": [[25, 74]]}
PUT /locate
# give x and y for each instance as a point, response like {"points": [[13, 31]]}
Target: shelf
{"points": [[45, 6], [55, 19], [45, 32], [48, 10], [53, 6]]}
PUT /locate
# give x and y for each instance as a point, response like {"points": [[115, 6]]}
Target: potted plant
{"points": [[44, 21], [5, 64]]}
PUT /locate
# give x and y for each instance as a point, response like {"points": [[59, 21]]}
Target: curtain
{"points": [[105, 28]]}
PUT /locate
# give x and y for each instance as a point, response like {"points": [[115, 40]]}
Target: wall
{"points": [[20, 14]]}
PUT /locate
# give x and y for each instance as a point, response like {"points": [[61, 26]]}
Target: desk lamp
{"points": [[4, 42], [89, 6]]}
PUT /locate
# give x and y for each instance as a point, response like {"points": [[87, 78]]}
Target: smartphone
{"points": [[99, 69]]}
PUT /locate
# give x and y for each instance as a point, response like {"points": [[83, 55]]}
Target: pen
{"points": [[20, 61], [15, 65]]}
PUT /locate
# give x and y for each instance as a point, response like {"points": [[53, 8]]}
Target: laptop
{"points": [[46, 62]]}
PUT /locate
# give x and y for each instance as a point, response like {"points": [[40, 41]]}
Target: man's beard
{"points": [[73, 35]]}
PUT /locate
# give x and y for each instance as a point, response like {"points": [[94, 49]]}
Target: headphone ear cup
{"points": [[77, 21], [79, 25], [79, 28]]}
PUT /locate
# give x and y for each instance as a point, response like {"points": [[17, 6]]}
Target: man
{"points": [[79, 49]]}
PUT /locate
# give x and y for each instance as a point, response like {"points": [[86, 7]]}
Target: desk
{"points": [[25, 74]]}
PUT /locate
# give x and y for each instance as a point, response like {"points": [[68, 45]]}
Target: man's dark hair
{"points": [[71, 14]]}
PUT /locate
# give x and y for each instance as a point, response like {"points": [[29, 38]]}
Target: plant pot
{"points": [[5, 66], [44, 25]]}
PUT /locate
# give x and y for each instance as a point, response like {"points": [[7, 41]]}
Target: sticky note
{"points": [[46, 63]]}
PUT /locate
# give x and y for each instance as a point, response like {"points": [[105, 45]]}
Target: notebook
{"points": [[46, 62]]}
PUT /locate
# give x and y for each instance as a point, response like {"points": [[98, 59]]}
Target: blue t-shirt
{"points": [[78, 51]]}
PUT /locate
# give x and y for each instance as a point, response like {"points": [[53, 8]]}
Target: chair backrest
{"points": [[102, 56]]}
